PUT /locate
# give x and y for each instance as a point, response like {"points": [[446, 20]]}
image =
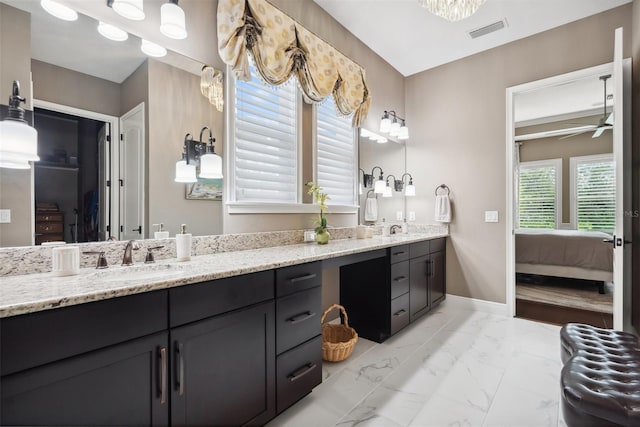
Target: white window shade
{"points": [[594, 189], [335, 154], [265, 142], [539, 194]]}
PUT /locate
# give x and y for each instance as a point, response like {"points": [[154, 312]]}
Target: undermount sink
{"points": [[140, 272]]}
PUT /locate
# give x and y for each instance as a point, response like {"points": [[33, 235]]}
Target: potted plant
{"points": [[322, 235]]}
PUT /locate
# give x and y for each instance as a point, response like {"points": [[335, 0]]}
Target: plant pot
{"points": [[322, 237]]}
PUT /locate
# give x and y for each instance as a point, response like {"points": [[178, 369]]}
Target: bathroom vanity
{"points": [[225, 339]]}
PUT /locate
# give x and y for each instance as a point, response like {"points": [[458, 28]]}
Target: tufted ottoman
{"points": [[600, 380]]}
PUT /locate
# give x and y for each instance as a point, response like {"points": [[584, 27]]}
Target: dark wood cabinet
{"points": [[419, 286], [437, 282]]}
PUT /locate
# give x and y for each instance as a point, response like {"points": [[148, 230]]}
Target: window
{"points": [[593, 186], [265, 140], [335, 154], [540, 186]]}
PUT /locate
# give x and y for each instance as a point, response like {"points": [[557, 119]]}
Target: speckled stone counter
{"points": [[22, 294]]}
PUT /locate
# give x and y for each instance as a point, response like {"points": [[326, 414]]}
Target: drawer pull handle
{"points": [[398, 253], [302, 278], [301, 317], [400, 279], [400, 313], [302, 372], [179, 368], [163, 375]]}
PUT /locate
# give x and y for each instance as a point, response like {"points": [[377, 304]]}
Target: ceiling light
{"points": [[381, 140], [452, 10], [18, 140], [393, 128], [112, 32], [59, 10], [130, 9], [152, 49], [172, 21]]}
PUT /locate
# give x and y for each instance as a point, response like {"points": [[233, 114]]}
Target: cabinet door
{"points": [[223, 369], [125, 384], [437, 283], [418, 286]]}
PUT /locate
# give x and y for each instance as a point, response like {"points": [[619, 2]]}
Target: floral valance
{"points": [[282, 47]]}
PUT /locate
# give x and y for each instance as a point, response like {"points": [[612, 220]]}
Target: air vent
{"points": [[483, 31]]}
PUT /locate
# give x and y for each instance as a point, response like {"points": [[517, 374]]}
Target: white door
{"points": [[131, 180], [622, 157]]}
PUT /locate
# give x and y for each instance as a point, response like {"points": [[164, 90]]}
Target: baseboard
{"points": [[466, 303]]}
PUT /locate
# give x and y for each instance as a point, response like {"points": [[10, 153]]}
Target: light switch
{"points": [[5, 216], [398, 215], [412, 216], [490, 216]]}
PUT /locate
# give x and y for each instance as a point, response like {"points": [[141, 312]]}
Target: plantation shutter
{"points": [[335, 155], [595, 195], [538, 195]]}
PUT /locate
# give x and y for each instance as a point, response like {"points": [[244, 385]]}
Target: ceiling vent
{"points": [[483, 31]]}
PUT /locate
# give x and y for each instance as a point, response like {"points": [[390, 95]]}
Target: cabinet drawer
{"points": [[399, 313], [298, 278], [399, 253], [399, 279], [297, 318], [202, 300], [437, 245], [419, 249], [50, 217], [50, 227], [298, 371]]}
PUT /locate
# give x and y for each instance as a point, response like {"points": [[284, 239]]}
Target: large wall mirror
{"points": [[111, 122]]}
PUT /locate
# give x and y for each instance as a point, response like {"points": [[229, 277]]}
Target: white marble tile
{"points": [[384, 407], [537, 374], [516, 407], [362, 346], [439, 411]]}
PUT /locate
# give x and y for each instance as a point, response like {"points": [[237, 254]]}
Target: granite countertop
{"points": [[36, 292]]}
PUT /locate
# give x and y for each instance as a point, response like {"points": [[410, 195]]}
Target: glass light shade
{"points": [[130, 9], [410, 190], [185, 172], [385, 125], [403, 133], [452, 10], [172, 21], [211, 166], [112, 32], [379, 187], [360, 189], [18, 144], [382, 140], [387, 191], [58, 10], [152, 49], [394, 129]]}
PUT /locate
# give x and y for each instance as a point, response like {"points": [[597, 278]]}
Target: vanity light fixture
{"points": [[18, 140], [387, 189], [112, 32], [210, 162], [410, 189], [130, 9], [172, 20], [372, 136], [194, 151], [58, 10], [152, 49], [379, 186], [394, 128], [211, 86], [452, 10]]}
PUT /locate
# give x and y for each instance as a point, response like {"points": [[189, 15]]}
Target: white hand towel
{"points": [[371, 209], [443, 208]]}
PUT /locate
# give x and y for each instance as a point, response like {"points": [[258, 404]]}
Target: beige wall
{"points": [[15, 185], [635, 53], [554, 148], [458, 138]]}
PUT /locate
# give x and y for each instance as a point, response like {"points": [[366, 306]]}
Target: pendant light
{"points": [[18, 140], [58, 10], [130, 9], [172, 20]]}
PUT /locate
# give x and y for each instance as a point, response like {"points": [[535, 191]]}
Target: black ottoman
{"points": [[600, 380]]}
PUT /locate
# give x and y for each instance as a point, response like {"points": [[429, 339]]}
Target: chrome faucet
{"points": [[127, 258], [394, 229]]}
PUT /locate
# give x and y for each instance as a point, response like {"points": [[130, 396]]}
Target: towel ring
{"points": [[444, 187], [369, 192]]}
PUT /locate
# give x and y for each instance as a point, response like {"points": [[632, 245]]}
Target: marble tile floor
{"points": [[453, 367]]}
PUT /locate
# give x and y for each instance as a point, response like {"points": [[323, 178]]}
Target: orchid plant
{"points": [[320, 198]]}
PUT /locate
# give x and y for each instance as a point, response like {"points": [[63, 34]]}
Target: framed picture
{"points": [[205, 189]]}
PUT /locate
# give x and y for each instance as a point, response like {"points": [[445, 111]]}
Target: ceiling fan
{"points": [[605, 122]]}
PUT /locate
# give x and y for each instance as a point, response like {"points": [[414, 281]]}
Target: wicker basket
{"points": [[338, 341]]}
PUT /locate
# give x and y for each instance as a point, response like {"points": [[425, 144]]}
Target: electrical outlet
{"points": [[490, 216], [399, 215], [5, 216], [412, 216]]}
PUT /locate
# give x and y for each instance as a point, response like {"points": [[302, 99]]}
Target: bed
{"points": [[565, 253]]}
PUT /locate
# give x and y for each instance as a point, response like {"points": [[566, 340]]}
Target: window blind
{"points": [[265, 151], [538, 195], [335, 159], [595, 195]]}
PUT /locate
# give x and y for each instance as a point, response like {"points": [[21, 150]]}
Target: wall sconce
{"points": [[194, 151], [130, 9], [387, 189], [18, 140], [410, 190], [172, 21], [379, 186], [211, 86], [394, 128]]}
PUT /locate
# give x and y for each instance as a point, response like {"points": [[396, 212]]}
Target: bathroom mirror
{"points": [[391, 158], [157, 100]]}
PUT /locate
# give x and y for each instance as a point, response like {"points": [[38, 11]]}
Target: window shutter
{"points": [[335, 154], [538, 196], [265, 142], [596, 195]]}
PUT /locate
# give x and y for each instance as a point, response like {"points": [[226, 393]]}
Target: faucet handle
{"points": [[102, 260], [149, 258]]}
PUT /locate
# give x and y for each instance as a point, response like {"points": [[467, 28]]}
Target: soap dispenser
{"points": [[183, 244], [160, 233], [405, 227]]}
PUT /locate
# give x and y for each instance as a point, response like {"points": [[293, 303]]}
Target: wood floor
{"points": [[561, 300]]}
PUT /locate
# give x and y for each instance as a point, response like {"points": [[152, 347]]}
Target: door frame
{"points": [[114, 123], [139, 108], [509, 140]]}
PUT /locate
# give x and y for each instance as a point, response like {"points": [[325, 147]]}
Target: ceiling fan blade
{"points": [[610, 119], [574, 134], [598, 132]]}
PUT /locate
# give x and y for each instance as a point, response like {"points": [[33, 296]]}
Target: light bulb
{"points": [[112, 32], [172, 21]]}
